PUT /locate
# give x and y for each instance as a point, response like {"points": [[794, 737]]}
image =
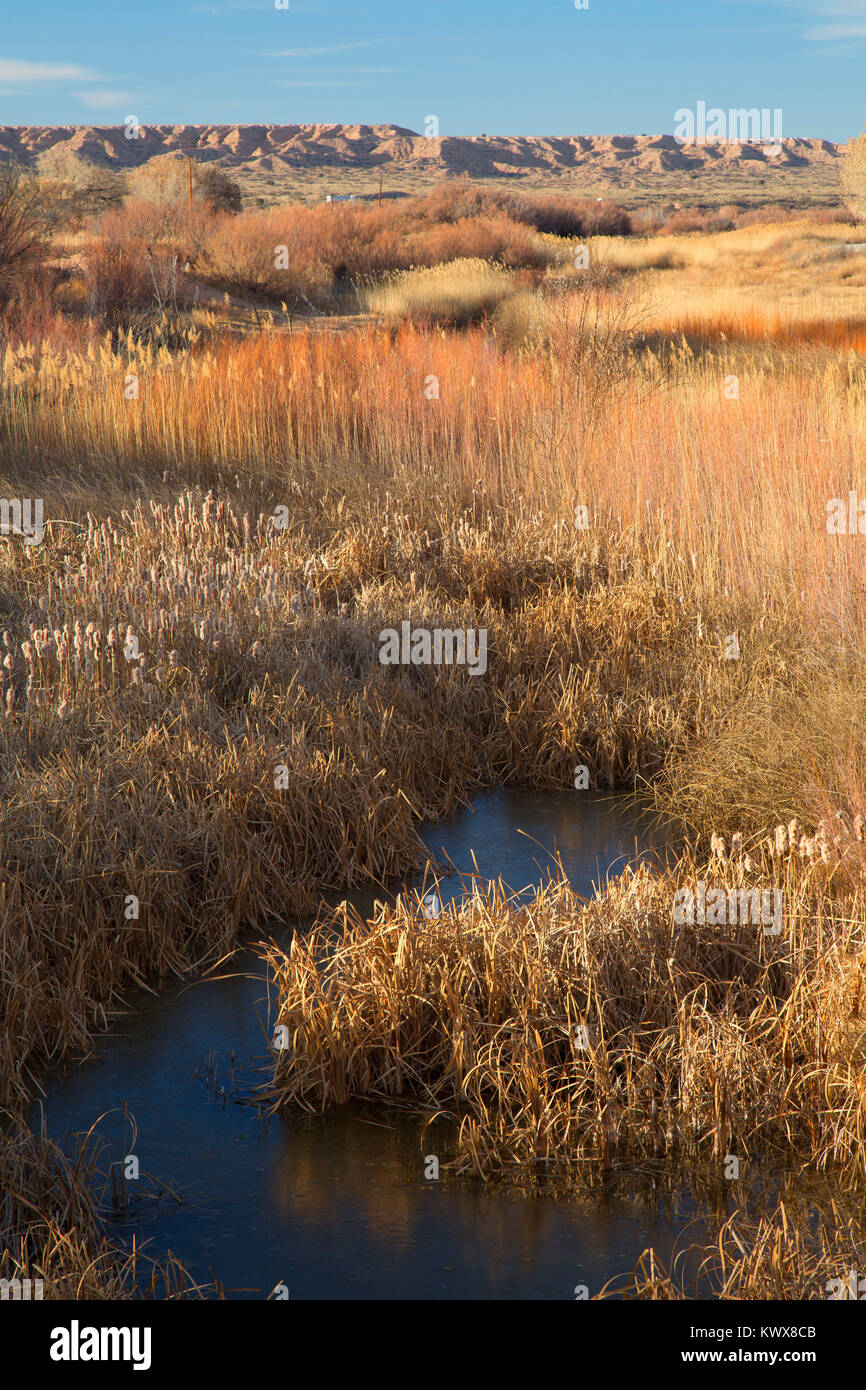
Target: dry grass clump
{"points": [[53, 1229], [791, 749], [567, 1038], [784, 1254], [786, 285], [458, 293]]}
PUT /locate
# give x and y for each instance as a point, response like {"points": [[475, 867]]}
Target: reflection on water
{"points": [[518, 836], [337, 1206]]}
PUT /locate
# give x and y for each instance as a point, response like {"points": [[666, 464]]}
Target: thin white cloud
{"points": [[282, 82], [837, 19], [845, 19], [315, 52], [341, 72], [18, 70], [100, 99], [836, 31]]}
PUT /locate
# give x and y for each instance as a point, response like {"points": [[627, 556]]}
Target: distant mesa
{"points": [[348, 148]]}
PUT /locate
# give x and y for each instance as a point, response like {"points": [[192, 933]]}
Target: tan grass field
{"points": [[171, 642]]}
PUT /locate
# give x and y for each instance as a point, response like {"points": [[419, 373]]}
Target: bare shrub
{"points": [[22, 228], [187, 230], [130, 284], [283, 252], [73, 189], [552, 212], [166, 179]]}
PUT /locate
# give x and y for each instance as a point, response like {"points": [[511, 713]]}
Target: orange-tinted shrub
{"points": [[129, 282], [292, 250]]}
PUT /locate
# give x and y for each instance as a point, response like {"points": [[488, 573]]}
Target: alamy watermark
{"points": [[20, 1290], [22, 516], [715, 126], [77, 1343], [422, 647], [736, 906], [852, 1287], [846, 518]]}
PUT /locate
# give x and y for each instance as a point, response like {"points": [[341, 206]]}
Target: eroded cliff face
{"points": [[395, 149]]}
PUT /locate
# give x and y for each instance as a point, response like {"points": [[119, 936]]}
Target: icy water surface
{"points": [[337, 1206]]}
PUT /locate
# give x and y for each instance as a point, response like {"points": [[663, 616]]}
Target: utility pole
{"points": [[189, 172], [380, 192]]}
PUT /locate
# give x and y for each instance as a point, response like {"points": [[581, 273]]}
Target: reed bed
{"points": [[152, 775], [567, 1039], [309, 409], [53, 1228], [791, 326], [155, 679], [230, 524], [788, 1254]]}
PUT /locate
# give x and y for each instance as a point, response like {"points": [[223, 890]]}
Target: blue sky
{"points": [[482, 66]]}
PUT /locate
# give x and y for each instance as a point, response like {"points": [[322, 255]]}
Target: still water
{"points": [[337, 1206]]}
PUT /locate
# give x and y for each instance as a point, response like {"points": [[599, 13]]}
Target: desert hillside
{"points": [[270, 153]]}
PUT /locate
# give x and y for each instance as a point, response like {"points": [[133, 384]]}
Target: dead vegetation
{"points": [[229, 527], [569, 1040]]}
